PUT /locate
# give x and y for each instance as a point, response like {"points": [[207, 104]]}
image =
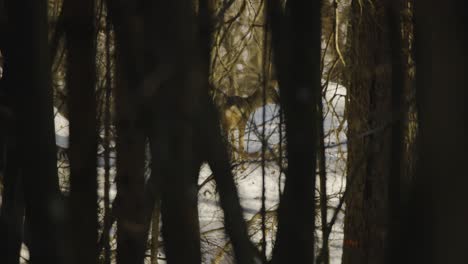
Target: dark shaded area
{"points": [[29, 96], [438, 191], [145, 96]]}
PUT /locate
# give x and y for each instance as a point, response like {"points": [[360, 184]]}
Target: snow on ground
{"points": [[61, 129]]}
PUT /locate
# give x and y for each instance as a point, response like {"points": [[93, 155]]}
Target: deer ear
{"points": [[274, 85]]}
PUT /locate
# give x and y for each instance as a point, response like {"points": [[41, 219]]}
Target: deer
{"points": [[235, 112]]}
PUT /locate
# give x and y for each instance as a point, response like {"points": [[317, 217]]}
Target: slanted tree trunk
{"points": [[31, 94], [81, 81], [216, 150], [296, 47]]}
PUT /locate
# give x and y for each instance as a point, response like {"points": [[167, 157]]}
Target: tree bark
{"points": [[131, 141], [296, 48], [131, 123], [181, 94], [399, 111], [11, 186], [435, 231], [81, 81], [12, 209], [372, 142]]}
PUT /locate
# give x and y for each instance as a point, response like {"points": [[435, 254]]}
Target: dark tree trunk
{"points": [[296, 47], [11, 188], [399, 111], [12, 210], [436, 228], [177, 111], [369, 114], [81, 81], [131, 122], [219, 162], [130, 169], [31, 95]]}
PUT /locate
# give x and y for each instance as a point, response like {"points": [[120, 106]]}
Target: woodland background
{"points": [[118, 146]]}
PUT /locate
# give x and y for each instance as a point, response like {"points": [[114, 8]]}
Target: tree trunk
{"points": [[130, 170], [435, 228], [216, 153], [12, 209], [81, 81], [370, 114], [218, 159], [399, 111], [296, 47], [131, 123], [181, 94], [31, 93], [11, 186]]}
